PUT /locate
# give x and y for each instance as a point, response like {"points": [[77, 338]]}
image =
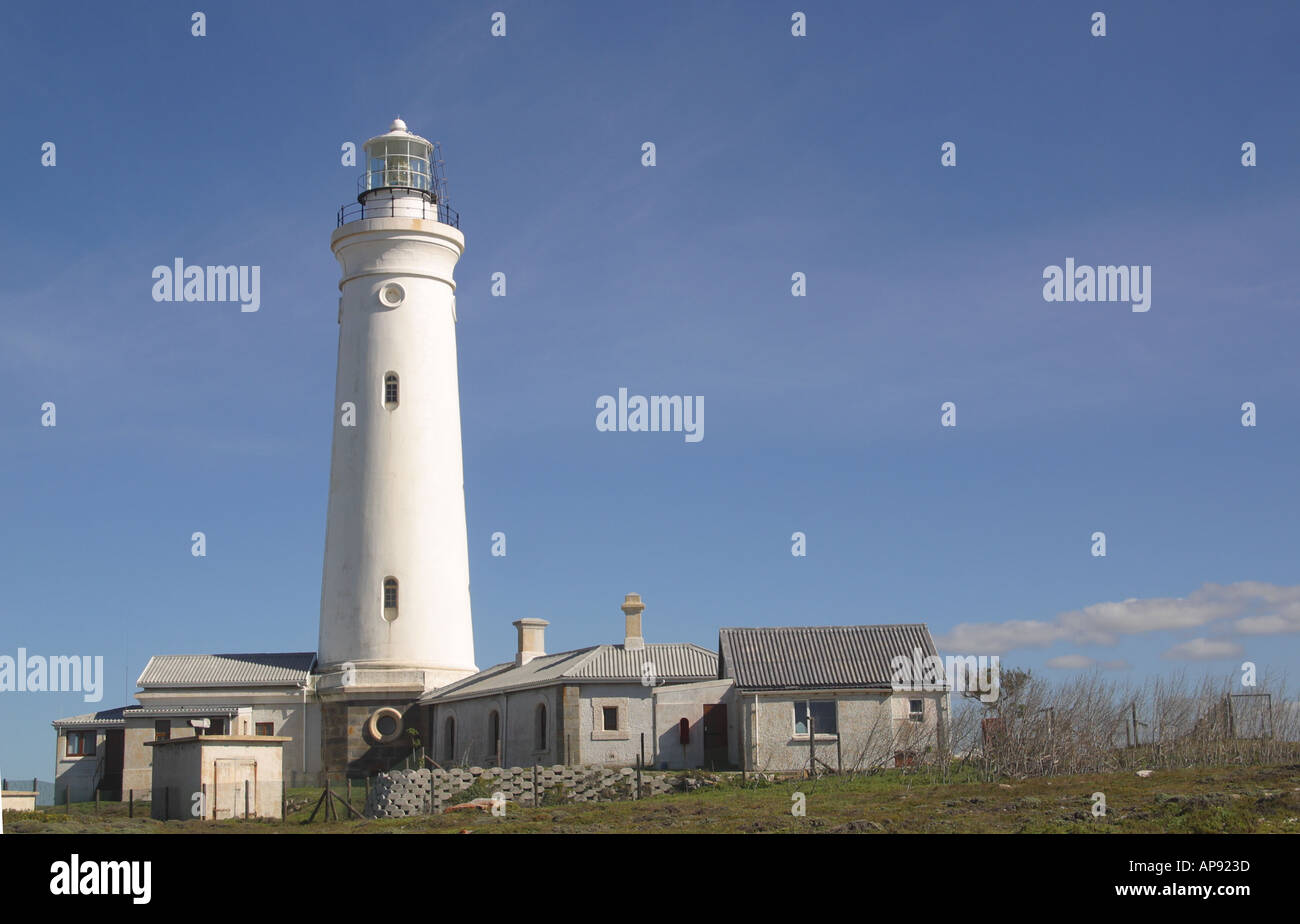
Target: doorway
{"points": [[715, 735]]}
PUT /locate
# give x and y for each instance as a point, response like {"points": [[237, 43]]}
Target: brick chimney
{"points": [[532, 639], [633, 608]]}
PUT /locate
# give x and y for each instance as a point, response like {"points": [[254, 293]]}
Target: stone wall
{"points": [[401, 793]]}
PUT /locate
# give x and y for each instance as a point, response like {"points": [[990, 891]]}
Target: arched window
{"points": [[391, 392], [449, 739], [390, 598], [494, 737], [539, 728]]}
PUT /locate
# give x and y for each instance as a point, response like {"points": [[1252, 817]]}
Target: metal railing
{"points": [[395, 178], [405, 207]]}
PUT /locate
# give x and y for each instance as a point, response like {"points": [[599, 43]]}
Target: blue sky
{"points": [[775, 154]]}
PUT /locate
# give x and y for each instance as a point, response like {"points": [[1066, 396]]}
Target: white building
{"points": [[396, 646]]}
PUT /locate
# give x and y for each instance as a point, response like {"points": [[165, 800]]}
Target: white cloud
{"points": [[1246, 607], [1203, 649], [1078, 662], [1071, 662]]}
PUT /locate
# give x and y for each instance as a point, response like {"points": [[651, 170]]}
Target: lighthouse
{"points": [[395, 611]]}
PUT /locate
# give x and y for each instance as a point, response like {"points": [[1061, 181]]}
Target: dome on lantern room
{"points": [[397, 159]]}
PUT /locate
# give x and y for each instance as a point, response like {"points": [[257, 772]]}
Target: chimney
{"points": [[633, 608], [532, 639]]}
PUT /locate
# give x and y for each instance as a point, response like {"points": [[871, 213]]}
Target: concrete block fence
{"points": [[402, 793]]}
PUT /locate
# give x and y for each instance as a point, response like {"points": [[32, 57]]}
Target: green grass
{"points": [[1198, 800]]}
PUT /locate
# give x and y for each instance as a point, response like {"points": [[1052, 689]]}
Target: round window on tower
{"points": [[392, 295]]}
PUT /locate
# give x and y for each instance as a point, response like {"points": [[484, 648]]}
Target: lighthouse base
{"points": [[349, 744], [370, 720]]}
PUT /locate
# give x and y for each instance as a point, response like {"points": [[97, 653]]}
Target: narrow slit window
{"points": [[390, 598], [539, 731], [449, 739], [390, 390]]}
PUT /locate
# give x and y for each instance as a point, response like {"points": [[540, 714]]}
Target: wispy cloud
{"points": [[1079, 662], [1203, 649], [1246, 608]]}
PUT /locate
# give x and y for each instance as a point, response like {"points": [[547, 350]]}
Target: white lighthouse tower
{"points": [[395, 612]]}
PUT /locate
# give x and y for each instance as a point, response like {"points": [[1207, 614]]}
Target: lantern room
{"points": [[397, 160]]}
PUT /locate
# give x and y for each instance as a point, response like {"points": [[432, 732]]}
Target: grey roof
{"points": [[818, 657], [608, 663], [228, 670], [105, 717], [207, 709]]}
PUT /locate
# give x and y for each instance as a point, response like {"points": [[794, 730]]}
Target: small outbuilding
{"points": [[218, 776], [18, 800]]}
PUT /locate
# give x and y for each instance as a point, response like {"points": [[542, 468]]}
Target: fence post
{"points": [[812, 745], [96, 801], [246, 800], [639, 765], [130, 804], [537, 799]]}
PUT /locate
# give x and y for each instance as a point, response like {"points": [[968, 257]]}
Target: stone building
{"points": [[186, 695], [827, 693], [587, 706]]}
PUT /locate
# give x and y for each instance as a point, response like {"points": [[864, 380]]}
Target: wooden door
{"points": [[230, 777], [715, 735]]}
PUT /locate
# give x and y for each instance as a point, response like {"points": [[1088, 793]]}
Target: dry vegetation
{"points": [[1218, 800]]}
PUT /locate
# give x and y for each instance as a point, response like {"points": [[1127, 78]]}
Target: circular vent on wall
{"points": [[392, 295], [384, 725]]}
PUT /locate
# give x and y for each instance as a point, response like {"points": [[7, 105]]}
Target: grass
{"points": [[1198, 800]]}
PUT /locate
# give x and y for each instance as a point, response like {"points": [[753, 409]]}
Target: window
{"points": [[823, 716], [449, 739], [162, 729], [81, 744], [390, 598], [916, 710], [266, 728], [609, 720], [390, 390], [539, 728], [216, 726], [494, 736]]}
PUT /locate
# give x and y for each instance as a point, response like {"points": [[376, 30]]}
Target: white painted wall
{"points": [[397, 501]]}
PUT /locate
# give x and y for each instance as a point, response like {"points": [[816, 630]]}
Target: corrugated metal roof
{"points": [[101, 718], [612, 663], [207, 709], [506, 676], [228, 670], [671, 662], [818, 657]]}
